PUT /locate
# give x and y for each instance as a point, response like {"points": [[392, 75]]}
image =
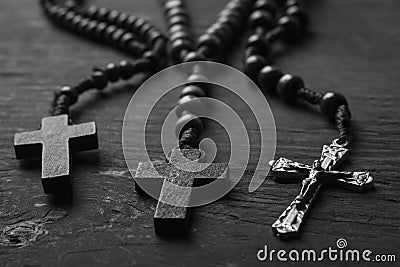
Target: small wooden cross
{"points": [[289, 223], [53, 143], [175, 180]]}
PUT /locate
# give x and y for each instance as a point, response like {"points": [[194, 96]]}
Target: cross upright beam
{"points": [[175, 179]]}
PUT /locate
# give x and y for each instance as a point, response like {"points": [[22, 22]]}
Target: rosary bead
{"points": [[268, 79], [176, 11], [172, 4], [108, 33], [99, 80], [188, 121], [213, 43], [193, 56], [126, 39], [184, 20], [144, 30], [180, 35], [153, 60], [117, 35], [121, 20], [291, 28], [69, 18], [260, 18], [137, 25], [300, 14], [102, 14], [178, 46], [196, 78], [330, 102], [126, 69], [193, 90], [267, 5], [190, 104], [253, 65], [288, 86], [91, 29], [112, 72], [71, 93], [290, 3], [82, 25], [75, 22], [259, 42], [113, 16]]}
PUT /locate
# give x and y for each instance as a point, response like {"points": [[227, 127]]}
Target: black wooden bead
{"points": [[259, 42], [235, 25], [126, 69], [253, 65], [179, 46], [178, 28], [75, 22], [300, 14], [330, 102], [252, 51], [288, 86], [135, 48], [117, 35], [213, 43], [121, 20], [112, 72], [173, 4], [110, 30], [192, 90], [290, 3], [268, 79], [144, 30], [91, 29], [68, 19], [71, 93], [291, 28], [176, 11], [130, 21], [91, 11], [113, 16], [193, 56], [82, 25], [267, 5], [180, 35], [126, 39], [153, 60], [178, 20], [261, 18], [99, 80], [138, 24], [102, 14]]}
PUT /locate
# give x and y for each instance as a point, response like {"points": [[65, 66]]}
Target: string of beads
{"points": [[131, 34], [210, 46], [267, 28]]}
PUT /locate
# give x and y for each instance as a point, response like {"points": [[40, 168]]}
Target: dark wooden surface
{"points": [[354, 49]]}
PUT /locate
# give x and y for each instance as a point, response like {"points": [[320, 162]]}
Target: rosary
{"points": [[269, 21]]}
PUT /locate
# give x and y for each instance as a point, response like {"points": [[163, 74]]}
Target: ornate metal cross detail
{"points": [[313, 177]]}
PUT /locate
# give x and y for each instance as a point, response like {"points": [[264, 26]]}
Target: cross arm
{"points": [[28, 145]]}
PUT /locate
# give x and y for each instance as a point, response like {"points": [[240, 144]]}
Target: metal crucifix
{"points": [[289, 223]]}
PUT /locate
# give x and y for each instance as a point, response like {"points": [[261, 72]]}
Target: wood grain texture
{"points": [[353, 49]]}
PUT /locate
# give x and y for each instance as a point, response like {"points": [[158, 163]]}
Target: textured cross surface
{"points": [[175, 180], [289, 223], [53, 143]]}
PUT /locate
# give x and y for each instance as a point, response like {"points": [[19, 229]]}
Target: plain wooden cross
{"points": [[289, 223], [175, 180], [53, 143]]}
